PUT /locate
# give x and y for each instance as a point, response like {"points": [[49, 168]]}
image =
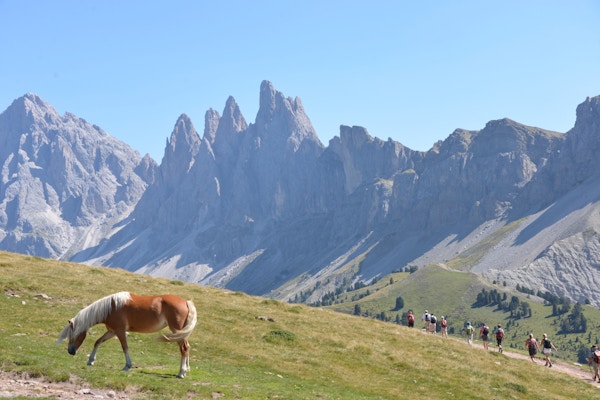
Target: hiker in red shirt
{"points": [[499, 332], [410, 319], [444, 326]]}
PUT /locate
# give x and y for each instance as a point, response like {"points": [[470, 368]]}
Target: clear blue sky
{"points": [[413, 71]]}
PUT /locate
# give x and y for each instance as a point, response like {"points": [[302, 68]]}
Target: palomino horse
{"points": [[126, 312]]}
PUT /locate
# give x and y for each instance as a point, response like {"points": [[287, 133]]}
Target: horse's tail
{"points": [[187, 329]]}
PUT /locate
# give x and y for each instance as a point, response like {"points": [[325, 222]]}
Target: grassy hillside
{"points": [[453, 294], [306, 353]]}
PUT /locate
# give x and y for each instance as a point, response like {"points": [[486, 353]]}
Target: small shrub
{"points": [[280, 336]]}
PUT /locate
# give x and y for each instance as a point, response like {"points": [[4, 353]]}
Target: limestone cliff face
{"points": [[555, 248], [473, 176], [64, 181], [266, 209]]}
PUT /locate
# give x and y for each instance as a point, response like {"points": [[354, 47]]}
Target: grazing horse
{"points": [[126, 312]]}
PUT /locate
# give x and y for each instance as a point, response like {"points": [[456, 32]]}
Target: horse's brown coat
{"points": [[127, 312]]}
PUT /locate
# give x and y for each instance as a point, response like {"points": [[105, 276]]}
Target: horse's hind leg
{"points": [[184, 348], [103, 338]]}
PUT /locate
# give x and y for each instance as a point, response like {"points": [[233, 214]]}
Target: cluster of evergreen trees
{"points": [[574, 322], [560, 305], [517, 308]]}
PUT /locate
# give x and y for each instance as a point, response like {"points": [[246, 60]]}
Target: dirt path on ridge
{"points": [[578, 371]]}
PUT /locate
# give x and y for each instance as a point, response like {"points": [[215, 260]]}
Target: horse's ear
{"points": [[71, 323]]}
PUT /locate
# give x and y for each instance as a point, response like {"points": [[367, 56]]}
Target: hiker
{"points": [[444, 326], [547, 347], [410, 319], [594, 361], [532, 346], [484, 331], [499, 332], [432, 324], [425, 319], [469, 330]]}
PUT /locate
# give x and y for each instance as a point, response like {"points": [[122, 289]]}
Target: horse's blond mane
{"points": [[98, 311]]}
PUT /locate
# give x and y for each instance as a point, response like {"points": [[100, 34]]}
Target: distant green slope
{"points": [[453, 294], [306, 353]]}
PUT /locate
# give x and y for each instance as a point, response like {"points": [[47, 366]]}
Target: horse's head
{"points": [[74, 340]]}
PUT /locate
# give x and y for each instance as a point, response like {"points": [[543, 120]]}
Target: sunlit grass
{"points": [[304, 353]]}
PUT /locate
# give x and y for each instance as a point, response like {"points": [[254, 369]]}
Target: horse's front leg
{"points": [[103, 338], [184, 348], [122, 335]]}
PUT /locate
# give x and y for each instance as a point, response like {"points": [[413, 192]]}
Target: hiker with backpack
{"points": [[410, 319], [499, 332], [432, 323], [425, 319], [594, 362], [547, 347], [469, 329], [532, 346], [484, 331], [444, 326]]}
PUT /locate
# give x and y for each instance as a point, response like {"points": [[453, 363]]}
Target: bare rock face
{"points": [[64, 181]]}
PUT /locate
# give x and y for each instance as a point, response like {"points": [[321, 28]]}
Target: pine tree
{"points": [[399, 303]]}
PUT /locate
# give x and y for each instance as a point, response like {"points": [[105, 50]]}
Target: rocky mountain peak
{"points": [[579, 157], [505, 136], [268, 100], [232, 120], [283, 119], [33, 104], [181, 149], [355, 136], [230, 123], [211, 124], [184, 138], [587, 124], [29, 110], [588, 113]]}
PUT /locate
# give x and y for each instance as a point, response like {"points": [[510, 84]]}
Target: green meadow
{"points": [[304, 353]]}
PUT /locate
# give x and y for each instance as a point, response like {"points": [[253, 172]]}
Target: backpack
{"points": [[547, 343], [499, 333], [596, 356], [433, 319], [411, 318], [486, 330], [532, 348], [469, 329], [444, 323]]}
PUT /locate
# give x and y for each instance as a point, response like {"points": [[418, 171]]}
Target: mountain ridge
{"points": [[267, 209]]}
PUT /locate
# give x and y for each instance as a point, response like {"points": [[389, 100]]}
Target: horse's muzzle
{"points": [[72, 350]]}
